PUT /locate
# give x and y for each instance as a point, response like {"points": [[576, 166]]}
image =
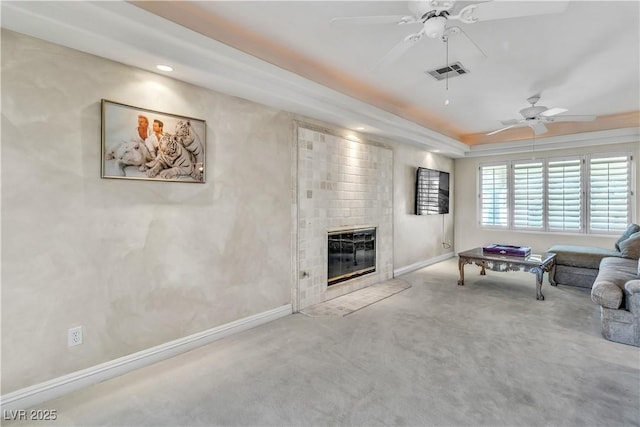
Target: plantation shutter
{"points": [[564, 195], [494, 196], [609, 180], [528, 195]]}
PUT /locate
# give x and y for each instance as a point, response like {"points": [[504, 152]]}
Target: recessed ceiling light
{"points": [[164, 67], [359, 128]]}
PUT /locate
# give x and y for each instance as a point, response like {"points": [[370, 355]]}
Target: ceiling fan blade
{"points": [[375, 20], [441, 4], [509, 125], [500, 130], [553, 111], [454, 30], [571, 119], [506, 9], [537, 127], [398, 50], [511, 122]]}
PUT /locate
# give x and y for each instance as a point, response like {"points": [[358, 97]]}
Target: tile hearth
{"points": [[347, 304]]}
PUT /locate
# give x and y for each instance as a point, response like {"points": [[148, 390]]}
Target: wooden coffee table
{"points": [[534, 263]]}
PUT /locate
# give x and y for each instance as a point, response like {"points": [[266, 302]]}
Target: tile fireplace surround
{"points": [[342, 184]]}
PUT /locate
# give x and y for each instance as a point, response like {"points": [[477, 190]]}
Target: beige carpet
{"points": [[437, 354], [356, 300]]}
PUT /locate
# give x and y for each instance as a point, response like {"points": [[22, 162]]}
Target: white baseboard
{"points": [[38, 393], [418, 265]]}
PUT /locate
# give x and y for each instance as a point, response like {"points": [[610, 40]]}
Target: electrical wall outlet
{"points": [[74, 336]]}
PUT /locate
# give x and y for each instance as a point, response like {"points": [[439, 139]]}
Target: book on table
{"points": [[509, 250]]}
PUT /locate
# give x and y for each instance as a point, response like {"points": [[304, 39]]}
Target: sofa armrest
{"points": [[632, 296], [606, 294]]}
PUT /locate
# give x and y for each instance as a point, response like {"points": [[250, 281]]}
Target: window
{"points": [[564, 195], [528, 195], [580, 194], [494, 195], [609, 179]]}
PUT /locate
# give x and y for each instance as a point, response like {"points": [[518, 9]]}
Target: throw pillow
{"points": [[631, 228], [630, 248]]}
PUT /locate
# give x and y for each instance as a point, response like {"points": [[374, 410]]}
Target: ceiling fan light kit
{"points": [[434, 27]]}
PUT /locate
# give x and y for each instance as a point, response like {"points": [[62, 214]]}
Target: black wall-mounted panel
{"points": [[432, 192]]}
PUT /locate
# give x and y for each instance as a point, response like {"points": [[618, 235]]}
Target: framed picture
{"points": [[138, 143]]}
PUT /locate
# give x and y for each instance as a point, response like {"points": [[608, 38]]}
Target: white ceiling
{"points": [[585, 59]]}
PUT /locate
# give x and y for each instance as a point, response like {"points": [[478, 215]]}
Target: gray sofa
{"points": [[617, 291], [579, 265]]}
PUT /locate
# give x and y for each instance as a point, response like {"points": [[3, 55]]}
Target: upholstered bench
{"points": [[579, 265]]}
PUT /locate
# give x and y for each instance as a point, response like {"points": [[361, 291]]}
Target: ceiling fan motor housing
{"points": [[422, 7], [532, 111]]}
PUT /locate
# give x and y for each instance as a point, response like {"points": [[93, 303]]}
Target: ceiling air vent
{"points": [[453, 70]]}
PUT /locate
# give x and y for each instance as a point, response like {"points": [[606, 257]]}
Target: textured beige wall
{"points": [[418, 238], [470, 235], [136, 263]]}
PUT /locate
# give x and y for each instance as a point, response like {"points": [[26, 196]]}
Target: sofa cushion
{"points": [[624, 269], [631, 228], [581, 256], [630, 248], [614, 273]]}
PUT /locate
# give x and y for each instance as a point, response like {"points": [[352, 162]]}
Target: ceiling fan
{"points": [[434, 16], [536, 116]]}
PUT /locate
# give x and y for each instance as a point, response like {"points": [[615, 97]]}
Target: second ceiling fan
{"points": [[536, 116]]}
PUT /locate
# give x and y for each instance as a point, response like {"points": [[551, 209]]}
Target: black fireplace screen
{"points": [[352, 253]]}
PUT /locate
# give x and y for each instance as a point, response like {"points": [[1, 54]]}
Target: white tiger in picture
{"points": [[129, 153], [186, 136], [173, 160]]}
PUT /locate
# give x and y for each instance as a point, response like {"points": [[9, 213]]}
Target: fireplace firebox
{"points": [[352, 253]]}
